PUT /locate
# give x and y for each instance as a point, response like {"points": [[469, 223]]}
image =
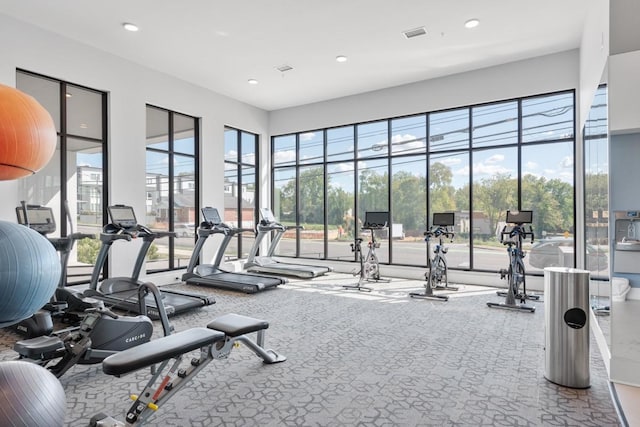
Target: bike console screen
{"points": [[376, 220], [520, 217], [443, 219]]}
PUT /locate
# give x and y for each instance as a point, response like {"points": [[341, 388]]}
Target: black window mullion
{"points": [[63, 164], [170, 198], [239, 184]]}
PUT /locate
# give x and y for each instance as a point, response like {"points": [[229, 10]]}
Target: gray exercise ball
{"points": [[30, 396]]}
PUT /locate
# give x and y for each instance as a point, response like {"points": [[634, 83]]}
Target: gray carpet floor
{"points": [[362, 359]]}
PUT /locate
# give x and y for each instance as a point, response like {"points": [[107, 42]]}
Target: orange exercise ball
{"points": [[27, 134]]}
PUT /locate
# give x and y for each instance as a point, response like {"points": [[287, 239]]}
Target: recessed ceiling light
{"points": [[472, 23], [252, 81], [130, 27], [341, 58]]}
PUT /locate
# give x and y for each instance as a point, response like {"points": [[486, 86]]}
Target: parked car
{"points": [[547, 253], [185, 230]]}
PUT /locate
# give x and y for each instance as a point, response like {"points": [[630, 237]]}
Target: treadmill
{"points": [[211, 274], [267, 264], [122, 292]]}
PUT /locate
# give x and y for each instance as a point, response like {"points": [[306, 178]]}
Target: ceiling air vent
{"points": [[416, 32], [284, 68]]}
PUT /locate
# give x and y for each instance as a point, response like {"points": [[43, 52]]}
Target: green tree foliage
{"points": [[551, 200], [311, 209], [442, 193], [88, 250], [373, 193], [495, 196], [409, 202]]}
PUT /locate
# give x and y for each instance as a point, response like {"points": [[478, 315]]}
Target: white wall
{"points": [[594, 51], [528, 77], [130, 88], [624, 92]]}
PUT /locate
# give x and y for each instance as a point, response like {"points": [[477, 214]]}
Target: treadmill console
{"points": [[38, 218], [267, 215], [211, 216], [376, 220], [123, 216]]}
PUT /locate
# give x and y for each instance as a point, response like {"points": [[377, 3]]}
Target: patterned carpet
{"points": [[362, 359]]}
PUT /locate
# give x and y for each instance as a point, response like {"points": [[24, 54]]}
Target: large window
{"points": [[240, 189], [596, 187], [478, 162], [73, 183], [171, 186]]}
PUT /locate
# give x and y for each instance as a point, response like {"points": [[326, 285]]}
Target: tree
{"points": [[373, 194], [494, 196], [311, 206], [441, 192], [408, 196]]}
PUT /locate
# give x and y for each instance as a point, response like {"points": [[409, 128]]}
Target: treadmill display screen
{"points": [[40, 218], [519, 217], [211, 215], [444, 219], [376, 220], [122, 216], [267, 215]]}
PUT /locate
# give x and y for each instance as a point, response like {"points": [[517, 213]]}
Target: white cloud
{"points": [[342, 167], [496, 158], [450, 161], [490, 169], [284, 156], [249, 158], [531, 165], [407, 142], [307, 136], [567, 162]]}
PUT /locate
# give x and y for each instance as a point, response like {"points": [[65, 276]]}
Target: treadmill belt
{"points": [[236, 281]]}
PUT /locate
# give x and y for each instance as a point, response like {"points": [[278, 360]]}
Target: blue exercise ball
{"points": [[30, 396], [29, 272]]}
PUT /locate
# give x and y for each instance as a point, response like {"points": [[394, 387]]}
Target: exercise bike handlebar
{"points": [[517, 231], [439, 231]]}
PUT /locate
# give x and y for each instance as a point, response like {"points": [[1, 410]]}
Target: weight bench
{"points": [[214, 342]]}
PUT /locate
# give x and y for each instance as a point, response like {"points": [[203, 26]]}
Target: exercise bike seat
{"points": [[39, 347], [159, 350], [234, 325]]}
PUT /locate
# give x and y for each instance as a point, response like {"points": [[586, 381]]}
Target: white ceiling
{"points": [[219, 45]]}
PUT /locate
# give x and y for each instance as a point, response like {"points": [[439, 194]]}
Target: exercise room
{"points": [[335, 214]]}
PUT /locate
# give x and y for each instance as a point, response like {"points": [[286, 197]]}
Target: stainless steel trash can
{"points": [[566, 315]]}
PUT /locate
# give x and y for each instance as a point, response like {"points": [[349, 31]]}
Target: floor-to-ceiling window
{"points": [[171, 186], [596, 187], [240, 189], [73, 183], [477, 161]]}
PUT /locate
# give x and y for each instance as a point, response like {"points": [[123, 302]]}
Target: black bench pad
{"points": [[33, 348], [236, 324], [159, 350]]}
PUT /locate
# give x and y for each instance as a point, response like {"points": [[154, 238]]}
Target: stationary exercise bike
{"points": [[100, 334], [369, 264], [512, 236], [438, 271]]}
